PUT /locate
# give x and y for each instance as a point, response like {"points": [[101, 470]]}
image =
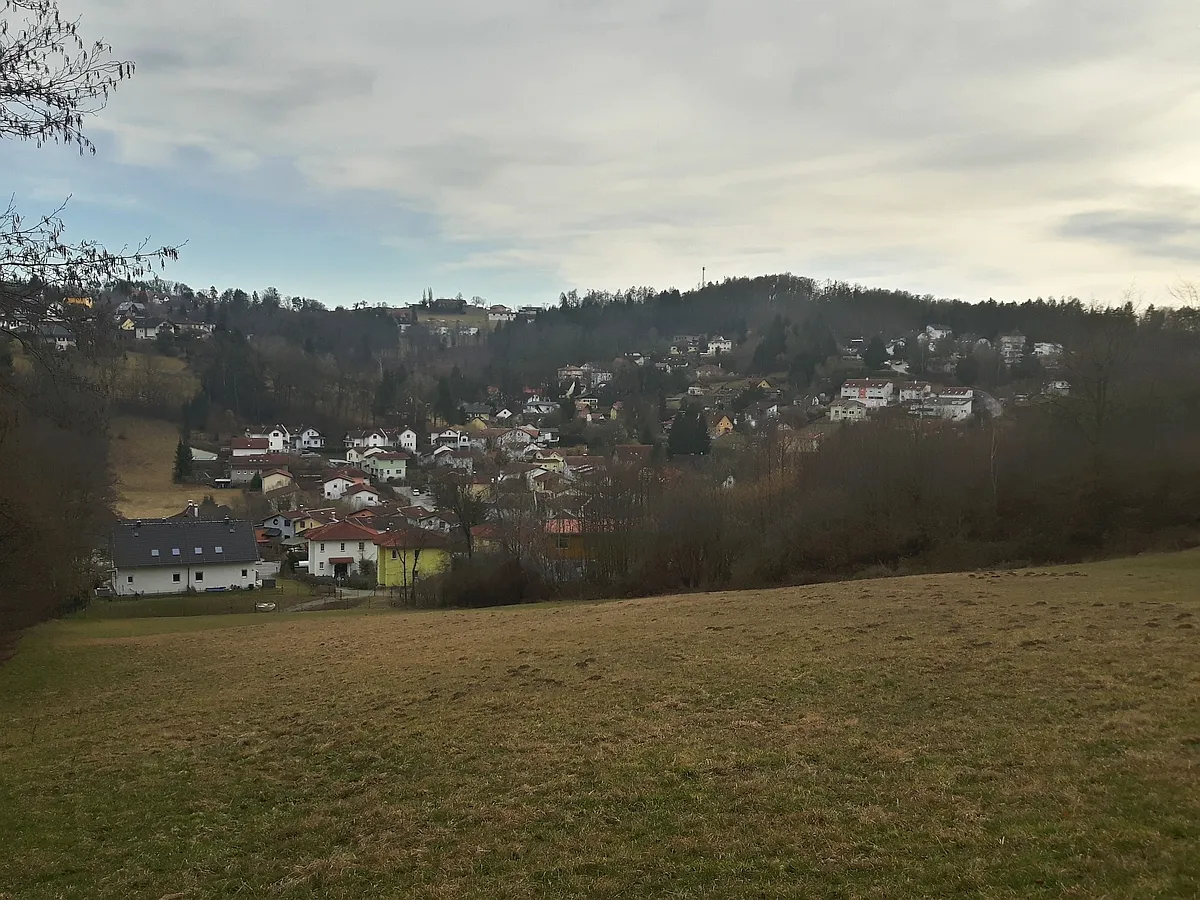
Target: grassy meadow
{"points": [[143, 457], [1015, 735]]}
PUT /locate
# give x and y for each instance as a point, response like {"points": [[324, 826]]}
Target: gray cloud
{"points": [[949, 146], [1156, 235]]}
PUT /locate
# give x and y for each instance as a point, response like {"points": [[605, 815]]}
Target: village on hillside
{"points": [[391, 507]]}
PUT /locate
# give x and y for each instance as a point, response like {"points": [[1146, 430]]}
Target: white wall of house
{"points": [[872, 396], [388, 469], [363, 499], [847, 413], [336, 487], [286, 526], [274, 481], [309, 439], [171, 580], [248, 451], [320, 552]]}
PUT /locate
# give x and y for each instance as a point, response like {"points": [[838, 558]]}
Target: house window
{"points": [[395, 554], [361, 546], [343, 546], [562, 542], [129, 579], [322, 550], [174, 551], [219, 549], [245, 572], [321, 565], [175, 578], [199, 576], [154, 553], [199, 550]]}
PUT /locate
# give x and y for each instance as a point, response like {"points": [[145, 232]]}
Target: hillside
{"points": [[1030, 734], [142, 455]]}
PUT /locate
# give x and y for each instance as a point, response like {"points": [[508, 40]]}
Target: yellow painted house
{"points": [[720, 425], [399, 552], [478, 423]]}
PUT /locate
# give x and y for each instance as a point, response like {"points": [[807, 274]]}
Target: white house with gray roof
{"points": [[169, 556]]}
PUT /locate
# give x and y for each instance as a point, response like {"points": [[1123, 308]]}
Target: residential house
{"points": [[171, 556], [150, 329], [130, 308], [244, 469], [718, 344], [565, 539], [719, 425], [843, 410], [275, 479], [334, 551], [1011, 347], [596, 374], [406, 554], [872, 393], [249, 446], [454, 438], [501, 314], [195, 329], [387, 466], [60, 337], [362, 495], [366, 438], [452, 305], [915, 392], [482, 410], [338, 482], [1047, 350], [955, 404], [1059, 387], [513, 438], [551, 461], [540, 408], [283, 522], [710, 373], [477, 423], [306, 437], [487, 538]]}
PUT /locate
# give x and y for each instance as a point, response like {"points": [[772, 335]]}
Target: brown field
{"points": [[1027, 734], [143, 456]]}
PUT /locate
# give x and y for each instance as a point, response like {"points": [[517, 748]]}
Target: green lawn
{"points": [[287, 593], [1015, 735]]}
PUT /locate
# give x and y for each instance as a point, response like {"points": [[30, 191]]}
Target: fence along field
{"points": [[1026, 734]]}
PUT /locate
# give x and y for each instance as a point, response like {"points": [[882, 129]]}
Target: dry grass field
{"points": [[1029, 734], [143, 455]]}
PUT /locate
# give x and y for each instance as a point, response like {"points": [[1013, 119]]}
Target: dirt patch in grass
{"points": [[995, 735]]}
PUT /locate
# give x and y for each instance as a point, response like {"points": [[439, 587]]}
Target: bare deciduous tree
{"points": [[51, 80]]}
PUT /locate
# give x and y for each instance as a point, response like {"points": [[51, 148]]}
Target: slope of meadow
{"points": [[142, 452], [1031, 734]]}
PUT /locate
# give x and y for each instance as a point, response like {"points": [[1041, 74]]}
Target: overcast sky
{"points": [[366, 149]]}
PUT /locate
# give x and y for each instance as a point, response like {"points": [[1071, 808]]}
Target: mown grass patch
{"points": [[996, 735]]}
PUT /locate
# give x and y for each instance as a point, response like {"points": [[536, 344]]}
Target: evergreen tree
{"points": [[183, 459], [875, 355], [689, 434]]}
